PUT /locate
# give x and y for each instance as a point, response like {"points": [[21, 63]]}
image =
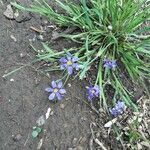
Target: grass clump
{"points": [[106, 31]]}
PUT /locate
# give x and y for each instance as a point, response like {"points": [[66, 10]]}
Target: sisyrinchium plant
{"points": [[110, 35]]}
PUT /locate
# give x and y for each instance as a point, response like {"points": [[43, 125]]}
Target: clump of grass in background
{"points": [[106, 30]]}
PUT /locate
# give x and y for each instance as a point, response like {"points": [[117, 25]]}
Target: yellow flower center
{"points": [[55, 90], [69, 63]]}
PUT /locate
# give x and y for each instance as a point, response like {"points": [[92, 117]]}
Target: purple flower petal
{"points": [[96, 87], [76, 66], [70, 70], [59, 97], [93, 92], [120, 105], [62, 67], [96, 94], [113, 112], [51, 96], [117, 109], [60, 84], [90, 97], [69, 63], [56, 90], [49, 90], [111, 64], [63, 60], [105, 60], [74, 59], [69, 57], [105, 65], [114, 64], [62, 91], [54, 85]]}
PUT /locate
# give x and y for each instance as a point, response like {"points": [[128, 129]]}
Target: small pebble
{"points": [[40, 144], [32, 39], [97, 134], [47, 74], [82, 140], [12, 80], [22, 55], [74, 142], [140, 127], [110, 27], [83, 119], [22, 17], [51, 113], [65, 125], [79, 148], [41, 120], [13, 38], [34, 127], [8, 13], [139, 146], [45, 22], [51, 26], [48, 65], [17, 137], [69, 85], [40, 37], [62, 106], [16, 14]]}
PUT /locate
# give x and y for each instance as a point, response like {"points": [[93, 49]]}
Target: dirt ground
{"points": [[23, 100]]}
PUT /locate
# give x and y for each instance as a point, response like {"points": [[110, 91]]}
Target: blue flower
{"points": [[56, 90], [117, 109], [69, 62], [93, 92], [110, 64]]}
